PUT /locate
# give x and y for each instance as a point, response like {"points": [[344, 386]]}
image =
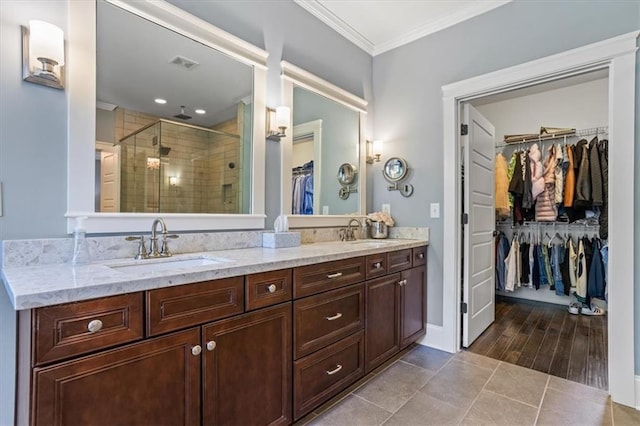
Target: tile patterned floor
{"points": [[430, 387]]}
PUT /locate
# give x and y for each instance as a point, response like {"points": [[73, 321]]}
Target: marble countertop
{"points": [[36, 286]]}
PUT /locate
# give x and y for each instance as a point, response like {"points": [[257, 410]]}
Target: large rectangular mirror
{"points": [[174, 130], [323, 162], [173, 121]]}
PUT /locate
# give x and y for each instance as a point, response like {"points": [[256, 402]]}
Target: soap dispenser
{"points": [[81, 254]]}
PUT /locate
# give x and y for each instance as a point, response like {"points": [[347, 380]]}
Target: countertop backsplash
{"points": [[51, 251]]}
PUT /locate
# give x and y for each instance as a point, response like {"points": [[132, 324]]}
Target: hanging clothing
{"points": [[525, 270], [595, 279], [573, 265], [537, 172], [502, 250], [546, 208], [557, 257], [511, 263], [583, 179], [595, 173], [581, 275], [603, 220], [501, 194], [559, 174], [570, 179]]}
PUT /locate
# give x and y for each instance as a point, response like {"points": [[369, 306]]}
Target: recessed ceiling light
{"points": [[200, 111], [160, 101]]}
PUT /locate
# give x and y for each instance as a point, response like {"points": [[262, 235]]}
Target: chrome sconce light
{"points": [[374, 151], [43, 54], [277, 122]]}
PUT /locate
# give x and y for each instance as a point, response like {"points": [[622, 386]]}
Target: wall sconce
{"points": [[43, 54], [278, 122], [173, 180], [374, 151]]}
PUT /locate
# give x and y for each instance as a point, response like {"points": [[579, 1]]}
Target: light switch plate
{"points": [[325, 209], [435, 210], [386, 208]]}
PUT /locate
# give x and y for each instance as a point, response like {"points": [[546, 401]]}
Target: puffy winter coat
{"points": [[537, 178], [546, 208]]}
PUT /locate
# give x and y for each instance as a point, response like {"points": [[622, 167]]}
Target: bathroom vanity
{"points": [[262, 338]]}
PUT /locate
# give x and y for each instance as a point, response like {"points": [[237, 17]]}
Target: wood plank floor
{"points": [[547, 338]]}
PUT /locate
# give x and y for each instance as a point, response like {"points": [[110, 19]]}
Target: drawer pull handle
{"points": [[335, 370], [335, 317], [94, 326], [336, 275], [196, 350], [402, 282], [420, 255], [211, 345], [272, 288], [377, 265]]}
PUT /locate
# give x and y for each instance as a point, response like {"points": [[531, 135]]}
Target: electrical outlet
{"points": [[435, 210], [386, 208]]}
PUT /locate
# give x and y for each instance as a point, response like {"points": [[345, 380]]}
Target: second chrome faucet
{"points": [[156, 248]]}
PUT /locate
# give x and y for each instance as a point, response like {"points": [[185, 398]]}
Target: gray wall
{"points": [[407, 85]]}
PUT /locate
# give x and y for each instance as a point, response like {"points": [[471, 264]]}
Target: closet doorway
{"points": [[617, 55]]}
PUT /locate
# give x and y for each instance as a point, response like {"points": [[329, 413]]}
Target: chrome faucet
{"points": [[348, 234], [163, 250]]}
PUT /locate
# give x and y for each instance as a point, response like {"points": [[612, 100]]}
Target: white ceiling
{"points": [[377, 26]]}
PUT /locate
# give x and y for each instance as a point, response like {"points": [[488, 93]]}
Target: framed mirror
{"points": [[198, 159], [346, 174], [395, 169], [336, 141]]}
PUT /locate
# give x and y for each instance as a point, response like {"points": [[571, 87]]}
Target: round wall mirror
{"points": [[347, 174], [395, 169]]}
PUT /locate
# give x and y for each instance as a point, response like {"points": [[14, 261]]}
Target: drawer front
{"points": [[268, 288], [322, 375], [419, 256], [399, 260], [326, 318], [312, 279], [72, 329], [376, 265], [173, 308]]}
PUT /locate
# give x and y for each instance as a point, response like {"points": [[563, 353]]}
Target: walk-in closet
{"points": [[550, 247]]}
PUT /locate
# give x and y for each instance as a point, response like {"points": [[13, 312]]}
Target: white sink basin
{"points": [[166, 264]]}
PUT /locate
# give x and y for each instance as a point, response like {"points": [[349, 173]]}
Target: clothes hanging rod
{"points": [[548, 224], [552, 137]]}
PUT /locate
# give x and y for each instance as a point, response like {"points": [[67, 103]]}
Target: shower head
{"points": [[182, 115], [164, 150]]}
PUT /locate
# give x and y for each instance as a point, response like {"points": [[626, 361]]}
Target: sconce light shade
{"points": [[173, 180], [278, 121], [374, 151], [43, 54]]}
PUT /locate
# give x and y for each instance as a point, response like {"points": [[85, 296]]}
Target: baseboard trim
{"points": [[638, 393], [434, 338]]}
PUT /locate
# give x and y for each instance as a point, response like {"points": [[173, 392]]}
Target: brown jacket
{"points": [[569, 180]]}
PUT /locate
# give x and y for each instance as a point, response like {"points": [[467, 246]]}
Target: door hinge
{"points": [[465, 218], [463, 307], [464, 130]]}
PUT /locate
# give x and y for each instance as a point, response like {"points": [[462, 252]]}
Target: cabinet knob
{"points": [[420, 255], [336, 275], [335, 370], [335, 317], [402, 282], [196, 350], [377, 265], [272, 288], [211, 345], [95, 325]]}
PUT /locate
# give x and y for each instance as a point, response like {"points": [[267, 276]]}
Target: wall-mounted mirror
{"points": [[327, 134], [174, 130]]}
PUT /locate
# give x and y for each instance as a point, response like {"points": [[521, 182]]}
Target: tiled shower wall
{"points": [[207, 166]]}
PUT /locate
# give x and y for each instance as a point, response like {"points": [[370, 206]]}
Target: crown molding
{"points": [[325, 15]]}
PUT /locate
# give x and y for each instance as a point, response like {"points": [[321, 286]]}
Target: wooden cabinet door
{"points": [[383, 320], [413, 305], [153, 382], [247, 369]]}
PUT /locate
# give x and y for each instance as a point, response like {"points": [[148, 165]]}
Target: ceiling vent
{"points": [[183, 62]]}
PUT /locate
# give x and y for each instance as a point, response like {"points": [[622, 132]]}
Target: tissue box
{"points": [[280, 239]]}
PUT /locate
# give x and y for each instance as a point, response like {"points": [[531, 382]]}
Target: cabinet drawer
{"points": [[376, 265], [419, 256], [173, 308], [312, 279], [268, 288], [326, 318], [399, 260], [320, 376], [72, 329]]}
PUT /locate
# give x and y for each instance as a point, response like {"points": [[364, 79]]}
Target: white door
{"points": [[109, 178], [479, 255]]}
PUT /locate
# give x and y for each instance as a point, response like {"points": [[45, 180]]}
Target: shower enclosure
{"points": [[171, 167]]}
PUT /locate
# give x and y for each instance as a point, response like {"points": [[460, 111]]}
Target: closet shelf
{"points": [[593, 131], [549, 224]]}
